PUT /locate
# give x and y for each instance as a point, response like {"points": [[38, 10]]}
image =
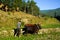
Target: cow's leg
{"points": [[36, 32], [24, 33], [18, 32]]}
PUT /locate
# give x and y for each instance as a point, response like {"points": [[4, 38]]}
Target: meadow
{"points": [[8, 21], [50, 36]]}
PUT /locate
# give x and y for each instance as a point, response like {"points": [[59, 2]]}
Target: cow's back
{"points": [[31, 28]]}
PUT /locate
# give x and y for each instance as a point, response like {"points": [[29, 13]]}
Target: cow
{"points": [[31, 28], [16, 32]]}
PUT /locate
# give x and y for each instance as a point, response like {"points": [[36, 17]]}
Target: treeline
{"points": [[28, 6]]}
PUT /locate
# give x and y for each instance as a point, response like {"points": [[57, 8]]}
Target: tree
{"points": [[24, 5], [16, 4], [32, 5], [0, 1], [33, 8], [28, 6]]}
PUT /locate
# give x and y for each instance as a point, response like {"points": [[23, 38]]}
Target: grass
{"points": [[51, 26], [44, 26], [8, 21], [50, 36]]}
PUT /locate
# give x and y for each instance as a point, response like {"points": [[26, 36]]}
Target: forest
{"points": [[28, 6]]}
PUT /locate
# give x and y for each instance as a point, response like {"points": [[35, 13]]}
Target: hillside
{"points": [[51, 12], [8, 20]]}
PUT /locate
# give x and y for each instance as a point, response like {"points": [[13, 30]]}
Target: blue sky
{"points": [[48, 4]]}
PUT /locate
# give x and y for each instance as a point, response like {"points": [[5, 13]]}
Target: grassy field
{"points": [[50, 36], [51, 26], [8, 21], [43, 34]]}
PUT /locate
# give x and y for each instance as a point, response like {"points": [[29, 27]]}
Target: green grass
{"points": [[50, 36], [51, 26], [8, 21], [44, 26]]}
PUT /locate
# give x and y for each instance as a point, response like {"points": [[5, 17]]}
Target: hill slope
{"points": [[8, 20]]}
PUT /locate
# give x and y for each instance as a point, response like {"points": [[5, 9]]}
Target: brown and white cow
{"points": [[31, 28]]}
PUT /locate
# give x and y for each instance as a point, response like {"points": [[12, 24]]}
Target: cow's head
{"points": [[39, 26]]}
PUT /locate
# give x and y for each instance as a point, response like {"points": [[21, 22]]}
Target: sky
{"points": [[48, 4]]}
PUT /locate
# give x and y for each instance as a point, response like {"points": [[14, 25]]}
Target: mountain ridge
{"points": [[51, 12]]}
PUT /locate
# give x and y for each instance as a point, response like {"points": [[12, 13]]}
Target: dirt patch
{"points": [[49, 30]]}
